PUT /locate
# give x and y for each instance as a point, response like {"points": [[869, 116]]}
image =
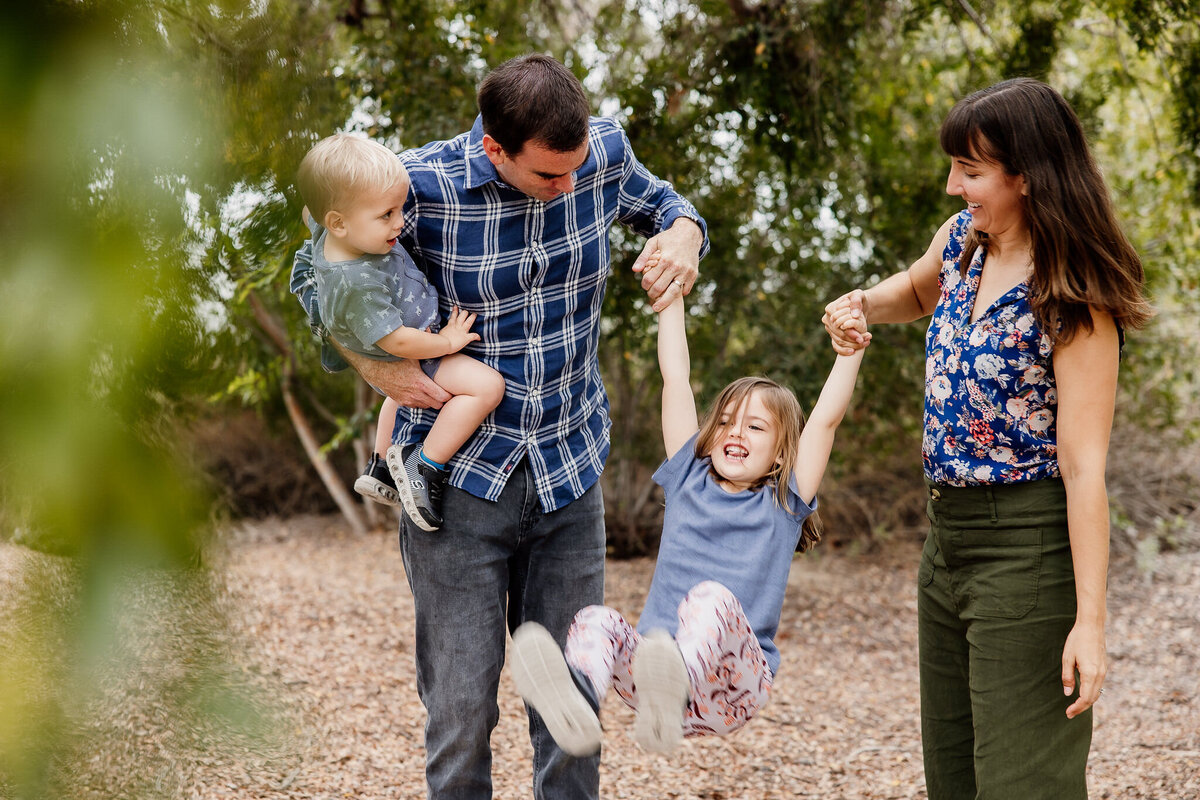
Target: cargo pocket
{"points": [[999, 570], [925, 570]]}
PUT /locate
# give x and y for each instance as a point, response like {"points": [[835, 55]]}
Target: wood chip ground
{"points": [[320, 622]]}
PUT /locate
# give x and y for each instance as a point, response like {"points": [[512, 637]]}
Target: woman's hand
{"points": [[1084, 652], [845, 319]]}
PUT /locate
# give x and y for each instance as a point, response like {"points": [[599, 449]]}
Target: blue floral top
{"points": [[990, 395]]}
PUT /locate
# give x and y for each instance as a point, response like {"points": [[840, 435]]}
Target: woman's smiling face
{"points": [[993, 195]]}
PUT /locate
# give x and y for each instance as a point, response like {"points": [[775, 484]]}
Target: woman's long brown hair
{"points": [[1080, 255]]}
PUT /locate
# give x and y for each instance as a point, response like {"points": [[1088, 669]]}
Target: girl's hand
{"points": [[1085, 653], [845, 320], [670, 263], [458, 329]]}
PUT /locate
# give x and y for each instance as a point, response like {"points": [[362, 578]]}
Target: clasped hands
{"points": [[845, 320]]}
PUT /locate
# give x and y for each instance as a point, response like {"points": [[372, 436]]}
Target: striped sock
{"points": [[421, 455]]}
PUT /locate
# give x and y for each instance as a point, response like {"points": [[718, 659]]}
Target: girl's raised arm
{"points": [[816, 440], [679, 420]]}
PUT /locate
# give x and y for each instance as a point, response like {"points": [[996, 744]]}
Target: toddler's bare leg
{"points": [[477, 389]]}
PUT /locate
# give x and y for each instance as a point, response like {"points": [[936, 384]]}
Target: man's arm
{"points": [[674, 272], [403, 381], [678, 235]]}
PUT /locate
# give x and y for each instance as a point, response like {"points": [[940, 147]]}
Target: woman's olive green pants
{"points": [[996, 600]]}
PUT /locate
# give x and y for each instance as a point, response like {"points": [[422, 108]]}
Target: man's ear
{"points": [[335, 223], [493, 151]]}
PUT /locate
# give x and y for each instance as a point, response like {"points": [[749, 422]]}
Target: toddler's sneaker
{"points": [[420, 486], [544, 680], [660, 680], [376, 482]]}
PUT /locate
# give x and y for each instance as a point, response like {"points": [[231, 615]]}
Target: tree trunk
{"points": [[333, 484], [365, 398]]}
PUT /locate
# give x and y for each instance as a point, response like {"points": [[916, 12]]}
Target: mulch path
{"points": [[320, 622]]}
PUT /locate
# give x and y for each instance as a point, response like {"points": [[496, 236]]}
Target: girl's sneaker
{"points": [[660, 679], [544, 681], [376, 482]]}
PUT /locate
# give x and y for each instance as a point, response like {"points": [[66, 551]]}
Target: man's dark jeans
{"points": [[491, 567]]}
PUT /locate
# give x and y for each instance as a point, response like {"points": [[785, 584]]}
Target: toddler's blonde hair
{"points": [[341, 167]]}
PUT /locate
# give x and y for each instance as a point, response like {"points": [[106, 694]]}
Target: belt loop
{"points": [[991, 496]]}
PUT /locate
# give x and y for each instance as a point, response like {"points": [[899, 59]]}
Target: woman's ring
{"points": [[678, 283]]}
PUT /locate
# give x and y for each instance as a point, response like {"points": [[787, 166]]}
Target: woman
{"points": [[1030, 288]]}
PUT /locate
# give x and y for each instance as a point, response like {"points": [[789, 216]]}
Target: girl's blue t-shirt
{"points": [[744, 541], [991, 400]]}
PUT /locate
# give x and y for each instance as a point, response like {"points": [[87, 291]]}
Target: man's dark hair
{"points": [[534, 98]]}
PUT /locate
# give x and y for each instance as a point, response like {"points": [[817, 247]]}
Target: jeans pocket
{"points": [[998, 570]]}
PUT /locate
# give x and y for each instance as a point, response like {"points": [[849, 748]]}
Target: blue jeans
{"points": [[491, 567]]}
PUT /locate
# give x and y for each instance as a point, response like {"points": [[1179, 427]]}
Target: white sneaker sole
{"points": [[377, 490], [395, 464], [661, 681], [544, 681]]}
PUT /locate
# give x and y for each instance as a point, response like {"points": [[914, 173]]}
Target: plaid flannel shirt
{"points": [[534, 272]]}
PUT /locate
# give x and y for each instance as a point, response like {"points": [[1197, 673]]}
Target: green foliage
{"points": [[150, 216], [100, 342], [805, 132]]}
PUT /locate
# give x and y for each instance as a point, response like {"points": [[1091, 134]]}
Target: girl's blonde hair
{"points": [[340, 168], [782, 404]]}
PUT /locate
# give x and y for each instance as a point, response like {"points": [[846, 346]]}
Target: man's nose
{"points": [[565, 184]]}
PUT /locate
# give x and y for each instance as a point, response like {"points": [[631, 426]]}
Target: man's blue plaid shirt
{"points": [[535, 274]]}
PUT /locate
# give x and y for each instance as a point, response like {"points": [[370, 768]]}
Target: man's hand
{"points": [[403, 381], [670, 262]]}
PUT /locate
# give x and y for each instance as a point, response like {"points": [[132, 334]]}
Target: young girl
{"points": [[740, 493]]}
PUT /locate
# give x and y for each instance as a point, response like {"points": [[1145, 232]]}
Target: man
{"points": [[510, 221]]}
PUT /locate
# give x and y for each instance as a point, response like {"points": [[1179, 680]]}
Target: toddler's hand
{"points": [[458, 329]]}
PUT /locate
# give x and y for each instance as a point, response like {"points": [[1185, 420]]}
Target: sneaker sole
{"points": [[376, 490], [544, 681], [400, 476], [661, 680]]}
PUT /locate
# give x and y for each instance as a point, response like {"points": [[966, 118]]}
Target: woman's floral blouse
{"points": [[990, 397]]}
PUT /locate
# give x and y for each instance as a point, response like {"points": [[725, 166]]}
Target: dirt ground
{"points": [[323, 619]]}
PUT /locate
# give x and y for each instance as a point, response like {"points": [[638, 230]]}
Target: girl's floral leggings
{"points": [[730, 680]]}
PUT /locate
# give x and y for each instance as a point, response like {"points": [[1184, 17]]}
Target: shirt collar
{"points": [[480, 169]]}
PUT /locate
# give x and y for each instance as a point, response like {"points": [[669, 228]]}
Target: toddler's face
{"points": [[375, 220], [744, 451]]}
